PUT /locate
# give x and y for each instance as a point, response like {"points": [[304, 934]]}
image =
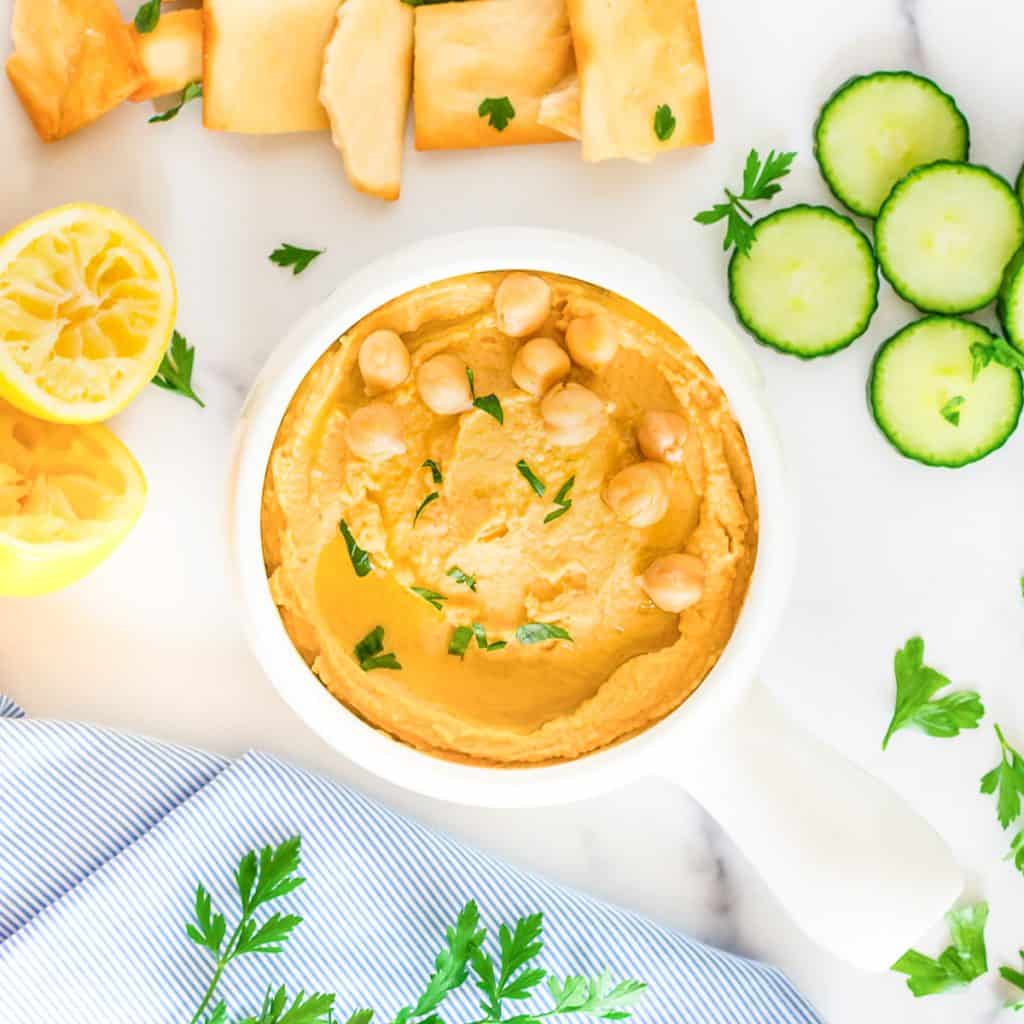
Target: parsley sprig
{"points": [[498, 110], [175, 372], [998, 351], [294, 256], [916, 684], [1006, 780], [260, 879], [957, 965], [760, 181], [664, 123], [192, 91], [147, 17]]}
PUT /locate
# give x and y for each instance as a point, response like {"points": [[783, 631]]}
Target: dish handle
{"points": [[857, 868]]}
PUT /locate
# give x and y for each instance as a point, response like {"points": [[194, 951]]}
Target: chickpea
{"points": [[444, 385], [573, 415], [374, 432], [662, 436], [638, 494], [674, 582], [383, 361], [522, 302], [592, 341], [539, 365]]}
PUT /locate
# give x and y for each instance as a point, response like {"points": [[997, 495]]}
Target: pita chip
{"points": [[172, 54]]}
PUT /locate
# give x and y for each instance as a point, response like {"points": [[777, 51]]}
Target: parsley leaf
{"points": [[147, 17], [532, 479], [998, 351], [465, 578], [916, 684], [959, 964], [435, 469], [313, 1009], [175, 373], [432, 597], [1007, 778], [562, 500], [498, 111], [518, 947], [481, 639], [538, 632], [432, 496], [951, 409], [489, 404], [460, 640], [1016, 853], [664, 122], [596, 996], [760, 181], [298, 259], [192, 91], [1015, 978], [360, 558], [370, 652]]}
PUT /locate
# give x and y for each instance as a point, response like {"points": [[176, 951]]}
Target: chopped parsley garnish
{"points": [[431, 497], [360, 558], [293, 256], [760, 181], [1016, 853], [916, 684], [481, 639], [435, 471], [370, 652], [432, 597], [175, 373], [460, 641], [147, 17], [951, 410], [664, 122], [465, 578], [1006, 780], [959, 964], [562, 500], [538, 632], [998, 351], [192, 91], [498, 111], [532, 479], [489, 404]]}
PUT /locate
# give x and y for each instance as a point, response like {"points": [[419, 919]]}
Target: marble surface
{"points": [[888, 548]]}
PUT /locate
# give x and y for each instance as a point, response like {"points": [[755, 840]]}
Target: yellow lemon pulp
{"points": [[87, 307], [68, 496]]}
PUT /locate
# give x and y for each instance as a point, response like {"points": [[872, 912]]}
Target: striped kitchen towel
{"points": [[103, 838]]}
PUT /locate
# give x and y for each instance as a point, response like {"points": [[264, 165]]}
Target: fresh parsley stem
{"points": [[222, 961], [734, 199]]}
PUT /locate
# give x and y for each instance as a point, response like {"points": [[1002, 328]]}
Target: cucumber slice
{"points": [[877, 128], [945, 235], [1020, 185], [1011, 301], [926, 370], [809, 285]]}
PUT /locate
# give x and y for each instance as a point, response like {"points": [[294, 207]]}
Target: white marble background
{"points": [[151, 643]]}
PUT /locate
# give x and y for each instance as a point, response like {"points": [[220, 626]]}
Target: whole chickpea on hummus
{"points": [[517, 527]]}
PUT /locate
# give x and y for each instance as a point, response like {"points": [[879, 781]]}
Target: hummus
{"points": [[628, 663]]}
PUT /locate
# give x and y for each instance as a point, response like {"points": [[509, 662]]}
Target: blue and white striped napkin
{"points": [[104, 836]]}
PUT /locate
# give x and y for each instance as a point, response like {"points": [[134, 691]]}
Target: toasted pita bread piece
{"points": [[73, 61], [262, 62], [635, 56], [365, 88], [487, 49], [172, 54]]}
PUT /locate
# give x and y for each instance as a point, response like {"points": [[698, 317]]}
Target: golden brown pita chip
{"points": [[172, 54], [635, 56], [73, 61], [487, 49], [262, 63], [365, 90]]}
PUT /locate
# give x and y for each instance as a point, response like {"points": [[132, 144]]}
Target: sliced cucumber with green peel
{"points": [[935, 400], [877, 128], [1011, 301], [1020, 185], [809, 285], [946, 234]]}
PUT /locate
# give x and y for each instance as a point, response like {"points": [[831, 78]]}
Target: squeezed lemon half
{"points": [[87, 307], [68, 496]]}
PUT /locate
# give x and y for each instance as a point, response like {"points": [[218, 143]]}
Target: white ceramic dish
{"points": [[857, 868]]}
